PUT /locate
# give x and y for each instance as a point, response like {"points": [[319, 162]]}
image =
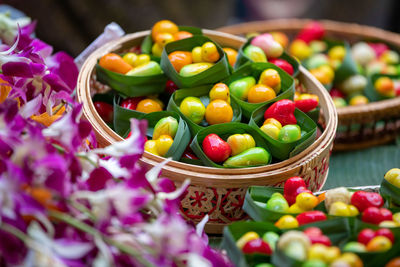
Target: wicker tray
{"points": [[361, 126], [220, 192]]}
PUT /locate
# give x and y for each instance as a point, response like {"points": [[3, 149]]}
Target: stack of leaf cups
{"points": [[246, 116]]}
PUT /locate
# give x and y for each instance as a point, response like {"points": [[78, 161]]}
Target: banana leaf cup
{"points": [[338, 231], [370, 90], [147, 43], [371, 259], [132, 86], [234, 231], [390, 193], [255, 69], [348, 67], [224, 130], [202, 92], [281, 150], [182, 136], [219, 71], [242, 59]]}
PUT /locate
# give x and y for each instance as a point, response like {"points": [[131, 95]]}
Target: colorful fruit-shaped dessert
{"points": [[165, 126], [231, 54], [283, 64], [194, 69], [277, 203], [289, 133], [179, 59], [393, 176], [254, 53], [105, 110], [115, 63], [209, 52], [163, 144], [163, 26], [251, 157], [148, 105], [193, 108], [240, 143], [260, 93], [267, 43], [240, 88], [220, 91], [271, 78], [283, 111], [218, 111], [150, 68], [215, 148]]}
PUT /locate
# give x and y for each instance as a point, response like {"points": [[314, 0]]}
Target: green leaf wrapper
{"points": [[182, 137], [122, 117], [234, 231], [348, 66], [371, 259], [147, 43], [224, 130], [390, 192], [219, 71], [132, 85], [279, 149], [202, 93], [338, 231], [255, 70], [314, 114], [255, 203], [243, 59], [370, 90]]}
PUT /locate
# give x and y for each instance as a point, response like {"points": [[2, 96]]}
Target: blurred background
{"points": [[72, 25]]}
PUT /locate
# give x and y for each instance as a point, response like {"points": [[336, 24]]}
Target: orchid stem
{"points": [[85, 228], [14, 231]]}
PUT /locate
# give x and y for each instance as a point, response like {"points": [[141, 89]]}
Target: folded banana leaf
{"points": [[255, 203], [147, 43], [234, 231], [338, 231], [122, 116], [390, 192], [223, 130], [371, 259], [182, 137], [279, 149], [370, 90], [132, 86], [255, 70], [348, 67], [219, 71], [202, 92], [243, 59]]}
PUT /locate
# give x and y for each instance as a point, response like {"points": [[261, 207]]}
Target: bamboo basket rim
{"points": [[305, 158], [335, 27]]}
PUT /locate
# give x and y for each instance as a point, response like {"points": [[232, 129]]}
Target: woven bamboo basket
{"points": [[361, 126], [213, 191]]}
